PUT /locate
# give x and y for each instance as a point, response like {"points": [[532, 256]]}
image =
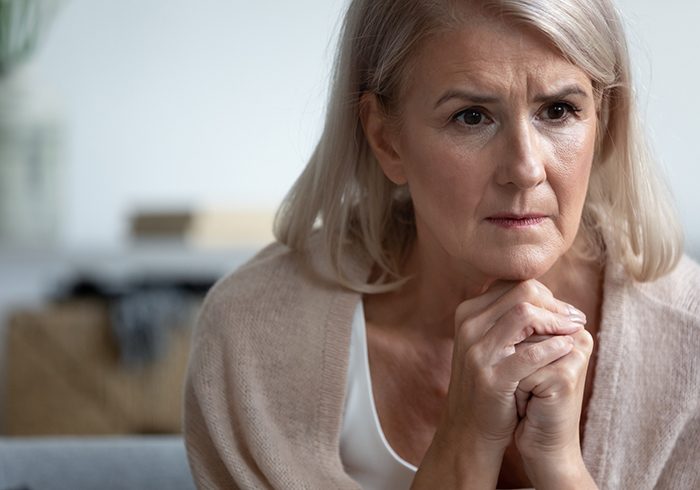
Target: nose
{"points": [[521, 161]]}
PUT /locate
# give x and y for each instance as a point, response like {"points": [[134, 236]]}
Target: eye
{"points": [[559, 111], [473, 116]]}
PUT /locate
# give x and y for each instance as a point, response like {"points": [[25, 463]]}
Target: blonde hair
{"points": [[628, 216]]}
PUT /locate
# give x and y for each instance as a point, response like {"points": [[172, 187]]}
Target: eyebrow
{"points": [[464, 95], [566, 91]]}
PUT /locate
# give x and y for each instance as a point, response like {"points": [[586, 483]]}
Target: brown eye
{"points": [[557, 111], [470, 117]]}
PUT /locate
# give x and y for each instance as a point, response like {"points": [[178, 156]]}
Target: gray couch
{"points": [[100, 463]]}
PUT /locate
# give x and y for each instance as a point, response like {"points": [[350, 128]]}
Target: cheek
{"points": [[569, 175], [444, 178], [446, 186]]}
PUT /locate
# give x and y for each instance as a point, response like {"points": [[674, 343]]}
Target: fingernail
{"points": [[576, 315]]}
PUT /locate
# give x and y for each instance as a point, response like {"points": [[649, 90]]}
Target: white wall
{"points": [[664, 38], [180, 102], [185, 103]]}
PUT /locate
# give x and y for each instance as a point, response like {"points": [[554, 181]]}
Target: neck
{"points": [[426, 304]]}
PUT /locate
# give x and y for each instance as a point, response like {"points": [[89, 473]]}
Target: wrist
{"points": [[562, 473], [469, 463]]}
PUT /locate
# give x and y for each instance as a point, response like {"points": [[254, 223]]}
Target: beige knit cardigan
{"points": [[265, 385]]}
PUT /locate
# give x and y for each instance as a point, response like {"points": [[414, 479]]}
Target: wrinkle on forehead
{"points": [[523, 59]]}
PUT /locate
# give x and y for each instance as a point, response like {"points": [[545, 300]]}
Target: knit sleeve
{"points": [[265, 385], [682, 469], [216, 423], [209, 436], [205, 458]]}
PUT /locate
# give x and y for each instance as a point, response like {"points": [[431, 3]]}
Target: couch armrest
{"points": [[105, 463]]}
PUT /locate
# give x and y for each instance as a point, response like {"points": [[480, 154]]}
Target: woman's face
{"points": [[495, 143]]}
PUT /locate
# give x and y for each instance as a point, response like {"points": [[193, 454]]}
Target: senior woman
{"points": [[480, 208]]}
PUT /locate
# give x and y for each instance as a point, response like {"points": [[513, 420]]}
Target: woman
{"points": [[479, 209]]}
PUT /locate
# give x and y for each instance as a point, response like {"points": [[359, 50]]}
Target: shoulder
{"points": [[265, 276], [265, 377], [677, 293], [277, 288], [280, 310], [661, 339], [647, 370], [656, 324]]}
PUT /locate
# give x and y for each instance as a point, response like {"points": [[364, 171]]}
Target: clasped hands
{"points": [[518, 371]]}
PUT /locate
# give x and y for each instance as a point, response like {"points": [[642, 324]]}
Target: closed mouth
{"points": [[514, 221]]}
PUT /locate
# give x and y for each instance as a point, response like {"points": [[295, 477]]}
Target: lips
{"points": [[510, 220]]}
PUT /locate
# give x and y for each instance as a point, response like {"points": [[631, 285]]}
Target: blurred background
{"points": [[144, 146]]}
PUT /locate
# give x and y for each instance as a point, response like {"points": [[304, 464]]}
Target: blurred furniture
{"points": [[64, 375], [63, 369], [106, 463], [63, 365]]}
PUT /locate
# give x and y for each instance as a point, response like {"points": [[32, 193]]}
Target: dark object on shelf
{"points": [[141, 321], [141, 312], [161, 225]]}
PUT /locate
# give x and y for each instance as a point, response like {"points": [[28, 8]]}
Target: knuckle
{"points": [[526, 331], [586, 341], [533, 287], [570, 379], [580, 356], [467, 335], [570, 373], [461, 327], [528, 289], [533, 355], [461, 313], [472, 359], [524, 311], [555, 323]]}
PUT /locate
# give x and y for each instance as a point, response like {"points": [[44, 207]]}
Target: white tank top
{"points": [[366, 455], [364, 450]]}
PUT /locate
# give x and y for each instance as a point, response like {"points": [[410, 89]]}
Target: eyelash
{"points": [[571, 109], [476, 109]]}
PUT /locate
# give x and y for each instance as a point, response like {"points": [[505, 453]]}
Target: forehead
{"points": [[491, 54]]}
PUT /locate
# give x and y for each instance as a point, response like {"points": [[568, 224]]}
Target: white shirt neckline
{"points": [[366, 454]]}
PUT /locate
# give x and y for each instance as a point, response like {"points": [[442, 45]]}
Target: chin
{"points": [[520, 264]]}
